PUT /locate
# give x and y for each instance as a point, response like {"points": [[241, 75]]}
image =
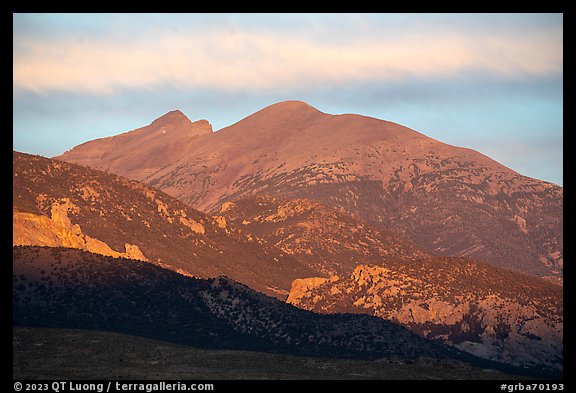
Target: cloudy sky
{"points": [[491, 82]]}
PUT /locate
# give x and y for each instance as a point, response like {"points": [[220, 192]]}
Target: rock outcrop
{"points": [[514, 322], [58, 231], [301, 287]]}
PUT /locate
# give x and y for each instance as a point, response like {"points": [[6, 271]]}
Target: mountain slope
{"points": [[450, 200], [62, 204], [330, 241], [491, 312]]}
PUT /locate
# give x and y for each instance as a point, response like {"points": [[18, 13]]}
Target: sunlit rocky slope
{"points": [[450, 200], [61, 204]]}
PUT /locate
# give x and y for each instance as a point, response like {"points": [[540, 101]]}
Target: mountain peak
{"points": [[175, 116], [291, 106], [145, 149], [178, 119], [284, 112]]}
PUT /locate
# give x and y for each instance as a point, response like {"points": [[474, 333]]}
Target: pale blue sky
{"points": [[491, 82]]}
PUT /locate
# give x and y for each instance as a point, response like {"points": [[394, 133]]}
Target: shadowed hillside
{"points": [[60, 287]]}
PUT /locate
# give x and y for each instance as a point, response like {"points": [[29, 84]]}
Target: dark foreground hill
{"points": [[67, 288]]}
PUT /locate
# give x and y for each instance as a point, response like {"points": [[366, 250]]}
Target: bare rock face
{"points": [[221, 221], [487, 311], [449, 200], [301, 286], [133, 252], [58, 231], [193, 225], [508, 319]]}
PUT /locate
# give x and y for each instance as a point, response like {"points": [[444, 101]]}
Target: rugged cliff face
{"points": [[449, 200], [494, 315], [58, 231]]}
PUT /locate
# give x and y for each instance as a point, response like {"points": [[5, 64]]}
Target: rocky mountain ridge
{"points": [[448, 200], [315, 209]]}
